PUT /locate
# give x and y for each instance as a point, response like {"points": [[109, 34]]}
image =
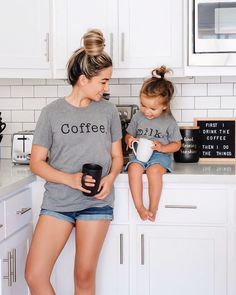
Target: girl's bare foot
{"points": [[143, 213], [151, 215]]}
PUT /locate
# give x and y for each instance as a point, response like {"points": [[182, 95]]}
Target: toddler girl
{"points": [[155, 122]]}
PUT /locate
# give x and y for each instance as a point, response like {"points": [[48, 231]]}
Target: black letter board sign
{"points": [[217, 138]]}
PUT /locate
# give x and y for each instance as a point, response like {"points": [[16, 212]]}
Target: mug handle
{"points": [[2, 126], [133, 148]]}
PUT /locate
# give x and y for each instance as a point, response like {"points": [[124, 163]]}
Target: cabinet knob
{"points": [[1, 225]]}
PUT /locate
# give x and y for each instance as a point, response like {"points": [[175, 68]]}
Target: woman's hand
{"points": [[75, 181], [105, 187]]}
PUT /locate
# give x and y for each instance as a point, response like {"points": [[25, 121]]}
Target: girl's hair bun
{"points": [[160, 72], [94, 42]]}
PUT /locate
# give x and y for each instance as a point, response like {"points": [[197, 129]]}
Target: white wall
{"points": [[22, 99]]}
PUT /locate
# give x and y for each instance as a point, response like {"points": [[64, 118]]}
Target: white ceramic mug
{"points": [[144, 149]]}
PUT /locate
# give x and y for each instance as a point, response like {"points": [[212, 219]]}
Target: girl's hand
{"points": [[75, 181], [105, 187], [130, 140], [157, 146]]}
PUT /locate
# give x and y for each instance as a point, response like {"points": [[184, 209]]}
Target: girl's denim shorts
{"points": [[157, 158], [93, 213]]}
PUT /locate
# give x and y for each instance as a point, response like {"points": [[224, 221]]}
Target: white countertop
{"points": [[13, 177]]}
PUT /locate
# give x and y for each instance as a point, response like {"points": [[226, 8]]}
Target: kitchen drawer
{"points": [[191, 205], [2, 226], [121, 208], [18, 210]]}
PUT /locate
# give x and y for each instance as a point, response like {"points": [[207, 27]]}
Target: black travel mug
{"points": [[95, 171]]}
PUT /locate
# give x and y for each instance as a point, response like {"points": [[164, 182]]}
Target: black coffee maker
{"points": [[2, 127]]}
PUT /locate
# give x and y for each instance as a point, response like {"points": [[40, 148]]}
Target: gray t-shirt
{"points": [[163, 128], [75, 136]]}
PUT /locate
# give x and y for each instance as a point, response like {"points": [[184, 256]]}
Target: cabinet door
{"points": [[112, 271], [74, 18], [150, 33], [15, 250], [113, 267], [24, 31], [181, 260]]}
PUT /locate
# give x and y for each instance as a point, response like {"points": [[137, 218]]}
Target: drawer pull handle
{"points": [[9, 271], [23, 211], [181, 206], [121, 248], [142, 249], [1, 225], [14, 265]]}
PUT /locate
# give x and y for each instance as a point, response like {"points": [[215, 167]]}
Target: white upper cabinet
{"points": [[140, 35], [25, 39]]}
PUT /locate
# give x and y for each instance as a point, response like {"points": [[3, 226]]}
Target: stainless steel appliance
{"points": [[21, 146], [126, 112], [212, 32]]}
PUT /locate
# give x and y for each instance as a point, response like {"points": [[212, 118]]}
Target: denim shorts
{"points": [[157, 158], [93, 213]]}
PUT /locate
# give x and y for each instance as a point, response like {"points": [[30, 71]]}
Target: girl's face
{"points": [[96, 86], [152, 107]]}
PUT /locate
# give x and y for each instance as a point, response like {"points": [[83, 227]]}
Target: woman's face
{"points": [[151, 107], [96, 86]]}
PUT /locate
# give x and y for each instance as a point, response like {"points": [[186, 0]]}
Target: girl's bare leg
{"points": [[135, 172], [90, 236], [154, 174], [49, 238]]}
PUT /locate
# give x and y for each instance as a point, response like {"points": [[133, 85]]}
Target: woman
{"points": [[81, 128]]}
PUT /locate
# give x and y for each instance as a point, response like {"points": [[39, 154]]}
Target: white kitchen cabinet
{"points": [[140, 35], [180, 260], [13, 252], [25, 39]]}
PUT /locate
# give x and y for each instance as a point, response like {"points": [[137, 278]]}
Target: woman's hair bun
{"points": [[93, 42], [160, 72]]}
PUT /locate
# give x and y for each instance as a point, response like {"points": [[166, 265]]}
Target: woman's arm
{"points": [[116, 167], [40, 167]]}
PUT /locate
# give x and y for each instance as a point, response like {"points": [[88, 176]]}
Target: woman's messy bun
{"points": [[160, 72], [89, 59]]}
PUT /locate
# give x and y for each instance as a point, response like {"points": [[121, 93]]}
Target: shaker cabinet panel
{"points": [[192, 259], [25, 37]]}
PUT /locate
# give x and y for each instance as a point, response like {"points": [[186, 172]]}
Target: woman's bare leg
{"points": [[135, 172], [49, 238], [90, 236], [154, 174]]}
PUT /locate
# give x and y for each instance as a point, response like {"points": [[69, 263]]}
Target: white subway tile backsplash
{"points": [[135, 89], [179, 102], [215, 79], [11, 103], [221, 113], [220, 89], [22, 116], [5, 152], [5, 91], [21, 100], [194, 89], [228, 102], [34, 81], [207, 102], [189, 115], [45, 91], [34, 103], [64, 90], [228, 79], [9, 82], [119, 90], [22, 91]]}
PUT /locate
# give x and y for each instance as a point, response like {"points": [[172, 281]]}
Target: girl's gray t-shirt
{"points": [[75, 136], [163, 128]]}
